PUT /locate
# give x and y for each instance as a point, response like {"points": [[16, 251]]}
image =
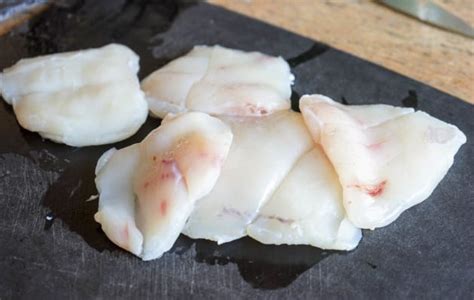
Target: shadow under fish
{"points": [[262, 266]]}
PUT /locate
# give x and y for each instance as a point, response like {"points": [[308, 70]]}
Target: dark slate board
{"points": [[50, 245]]}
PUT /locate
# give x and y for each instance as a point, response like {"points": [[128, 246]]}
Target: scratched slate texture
{"points": [[50, 245]]}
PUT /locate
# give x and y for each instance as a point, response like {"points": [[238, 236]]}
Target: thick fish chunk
{"points": [[385, 164], [174, 166], [263, 151], [307, 209], [114, 178], [220, 81], [80, 98]]}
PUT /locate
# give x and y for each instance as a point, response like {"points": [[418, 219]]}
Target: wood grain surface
{"points": [[378, 34], [370, 31]]}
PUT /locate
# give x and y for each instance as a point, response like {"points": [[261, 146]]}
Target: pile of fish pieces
{"points": [[231, 159], [282, 177]]}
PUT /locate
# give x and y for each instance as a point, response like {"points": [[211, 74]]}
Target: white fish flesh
{"points": [[220, 81], [388, 159], [307, 209], [80, 98], [263, 151], [114, 179], [148, 190]]}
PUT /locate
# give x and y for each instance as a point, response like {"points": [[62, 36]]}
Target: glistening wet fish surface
{"points": [[82, 262]]}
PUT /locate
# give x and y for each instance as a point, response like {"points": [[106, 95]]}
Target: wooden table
{"points": [[368, 30]]}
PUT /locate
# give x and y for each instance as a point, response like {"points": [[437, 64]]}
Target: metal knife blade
{"points": [[431, 13]]}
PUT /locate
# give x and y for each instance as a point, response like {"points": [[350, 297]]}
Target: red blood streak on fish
{"points": [[169, 171], [376, 146], [215, 160], [167, 175], [125, 233], [377, 190], [203, 155], [372, 190], [255, 110], [163, 207]]}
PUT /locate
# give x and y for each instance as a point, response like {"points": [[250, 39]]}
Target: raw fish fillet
{"points": [[220, 81], [388, 159], [307, 209], [80, 98], [114, 178], [148, 190], [263, 151]]}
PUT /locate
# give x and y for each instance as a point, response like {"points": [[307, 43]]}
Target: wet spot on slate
{"points": [[373, 266], [411, 100], [344, 100], [295, 101], [315, 50]]}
